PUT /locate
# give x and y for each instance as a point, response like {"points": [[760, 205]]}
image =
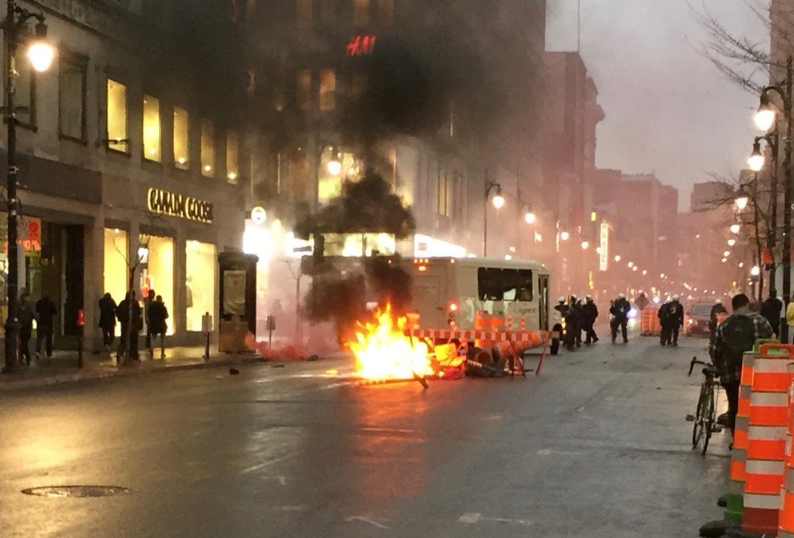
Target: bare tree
{"points": [[134, 262]]}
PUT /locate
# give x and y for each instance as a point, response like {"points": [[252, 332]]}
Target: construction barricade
{"points": [[766, 438], [649, 322]]}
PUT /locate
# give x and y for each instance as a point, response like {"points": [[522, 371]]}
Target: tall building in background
{"points": [[130, 156], [441, 97]]}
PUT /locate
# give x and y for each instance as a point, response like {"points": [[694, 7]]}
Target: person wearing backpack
{"points": [[736, 335]]}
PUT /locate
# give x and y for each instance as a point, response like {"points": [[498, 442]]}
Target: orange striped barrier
{"points": [[786, 529], [649, 322], [764, 468], [734, 507], [532, 338]]}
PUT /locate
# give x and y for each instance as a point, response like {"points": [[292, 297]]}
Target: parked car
{"points": [[698, 319]]}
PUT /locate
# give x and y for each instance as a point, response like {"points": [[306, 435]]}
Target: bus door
{"points": [[429, 300], [543, 299]]}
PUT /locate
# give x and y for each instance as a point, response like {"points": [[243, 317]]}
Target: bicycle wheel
{"points": [[697, 425], [708, 419]]}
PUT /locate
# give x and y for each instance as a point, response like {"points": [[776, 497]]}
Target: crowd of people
{"points": [[130, 316], [128, 313], [575, 318]]}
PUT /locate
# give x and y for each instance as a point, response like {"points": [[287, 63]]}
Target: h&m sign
{"points": [[180, 206]]}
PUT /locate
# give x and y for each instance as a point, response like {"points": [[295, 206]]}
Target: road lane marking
{"points": [[265, 464], [367, 520], [549, 452], [471, 518]]}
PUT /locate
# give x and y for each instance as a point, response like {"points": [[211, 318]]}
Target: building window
{"points": [[207, 148], [157, 272], [304, 89], [117, 116], [358, 86], [201, 259], [232, 157], [304, 10], [72, 78], [385, 13], [328, 11], [25, 92], [327, 89], [181, 139], [151, 129], [360, 12]]}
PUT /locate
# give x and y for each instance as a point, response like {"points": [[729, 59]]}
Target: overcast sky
{"points": [[668, 110]]}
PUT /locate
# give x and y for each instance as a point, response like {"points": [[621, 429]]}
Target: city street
{"points": [[597, 446]]}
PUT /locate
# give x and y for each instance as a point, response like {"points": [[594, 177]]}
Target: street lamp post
{"points": [[765, 119], [498, 203], [41, 56]]}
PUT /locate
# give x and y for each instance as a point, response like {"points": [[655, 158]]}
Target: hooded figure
{"points": [[560, 311], [589, 317]]}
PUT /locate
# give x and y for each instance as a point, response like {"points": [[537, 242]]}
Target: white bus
{"points": [[454, 289]]}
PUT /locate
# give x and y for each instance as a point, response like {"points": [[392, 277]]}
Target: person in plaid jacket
{"points": [[736, 335]]}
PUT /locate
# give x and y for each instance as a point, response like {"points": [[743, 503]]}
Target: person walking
{"points": [[620, 310], [131, 326], [158, 314], [572, 328], [107, 320], [736, 335], [147, 303], [664, 321], [771, 309], [25, 314], [558, 331], [589, 317], [45, 324]]}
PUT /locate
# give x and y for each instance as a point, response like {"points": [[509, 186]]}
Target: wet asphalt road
{"points": [[595, 447]]}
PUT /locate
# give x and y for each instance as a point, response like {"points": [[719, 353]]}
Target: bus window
{"points": [[489, 284], [517, 285], [525, 286]]}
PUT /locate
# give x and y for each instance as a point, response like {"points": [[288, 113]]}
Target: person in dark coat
{"points": [[107, 320], [558, 331], [25, 315], [620, 318], [147, 303], [771, 309], [589, 317], [572, 326], [663, 315], [671, 316], [158, 314], [717, 311], [130, 328], [45, 316]]}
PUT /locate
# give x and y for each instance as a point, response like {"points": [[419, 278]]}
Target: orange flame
{"points": [[384, 352]]}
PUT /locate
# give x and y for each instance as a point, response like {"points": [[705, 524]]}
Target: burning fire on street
{"points": [[384, 353]]}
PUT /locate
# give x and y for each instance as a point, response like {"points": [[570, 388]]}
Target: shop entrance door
{"points": [[58, 271]]}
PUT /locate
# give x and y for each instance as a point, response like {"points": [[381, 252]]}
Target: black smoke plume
{"points": [[365, 206]]}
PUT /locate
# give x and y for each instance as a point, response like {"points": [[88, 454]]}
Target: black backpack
{"points": [[738, 338]]}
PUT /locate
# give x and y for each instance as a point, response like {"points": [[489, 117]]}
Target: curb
{"points": [[76, 377]]}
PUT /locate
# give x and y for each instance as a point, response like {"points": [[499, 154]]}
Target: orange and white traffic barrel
{"points": [[764, 469], [734, 507], [787, 494]]}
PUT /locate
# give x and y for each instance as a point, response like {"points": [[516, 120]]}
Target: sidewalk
{"points": [[62, 367]]}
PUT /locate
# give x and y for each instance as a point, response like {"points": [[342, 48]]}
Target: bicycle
{"points": [[705, 417]]}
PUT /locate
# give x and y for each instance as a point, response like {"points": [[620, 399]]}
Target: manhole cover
{"points": [[76, 491]]}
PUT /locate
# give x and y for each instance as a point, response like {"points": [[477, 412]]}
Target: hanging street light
{"points": [[765, 115], [736, 228], [756, 160]]}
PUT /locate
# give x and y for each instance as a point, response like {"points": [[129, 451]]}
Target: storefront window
{"points": [[207, 148], [330, 185], [115, 267], [151, 128], [157, 272], [117, 116], [181, 145], [232, 157], [360, 12], [201, 259]]}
